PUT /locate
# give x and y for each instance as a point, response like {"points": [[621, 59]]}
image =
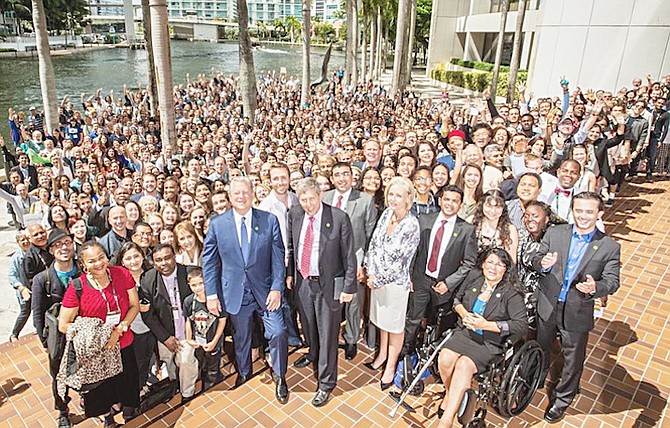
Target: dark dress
{"points": [[505, 305]]}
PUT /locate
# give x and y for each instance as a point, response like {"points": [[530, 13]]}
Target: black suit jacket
{"points": [[32, 175], [159, 316], [505, 304], [601, 261], [458, 259], [336, 251], [47, 290]]}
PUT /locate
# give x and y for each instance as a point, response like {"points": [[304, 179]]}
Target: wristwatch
{"points": [[122, 327]]}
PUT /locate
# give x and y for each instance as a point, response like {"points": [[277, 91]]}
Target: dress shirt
{"points": [[175, 301], [578, 245], [448, 231], [560, 204], [314, 258], [273, 205], [345, 199], [238, 225]]}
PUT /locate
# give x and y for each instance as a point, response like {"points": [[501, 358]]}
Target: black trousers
{"points": [[144, 345], [321, 327], [22, 318], [59, 404], [573, 345], [420, 307]]}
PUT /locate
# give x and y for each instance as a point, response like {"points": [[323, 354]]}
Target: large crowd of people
{"points": [[343, 223]]}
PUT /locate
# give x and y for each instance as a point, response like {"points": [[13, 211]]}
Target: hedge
{"points": [[476, 81], [477, 65]]}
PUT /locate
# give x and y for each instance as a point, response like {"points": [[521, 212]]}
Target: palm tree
{"points": [[247, 74], [151, 64], [46, 69], [306, 40], [161, 46], [504, 7], [516, 50], [399, 78]]}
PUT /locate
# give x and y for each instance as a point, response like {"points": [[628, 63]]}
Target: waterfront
{"points": [[112, 68]]}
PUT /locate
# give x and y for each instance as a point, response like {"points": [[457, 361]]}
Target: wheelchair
{"points": [[508, 385]]}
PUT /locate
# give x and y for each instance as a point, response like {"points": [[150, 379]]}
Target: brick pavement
{"points": [[625, 384]]}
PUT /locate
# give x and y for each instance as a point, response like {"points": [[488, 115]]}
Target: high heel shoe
{"points": [[440, 412], [385, 386], [373, 368]]}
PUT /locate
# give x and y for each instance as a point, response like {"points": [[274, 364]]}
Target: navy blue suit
{"points": [[243, 286]]}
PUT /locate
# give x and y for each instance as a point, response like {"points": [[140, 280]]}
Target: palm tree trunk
{"points": [[504, 7], [354, 43], [151, 63], [516, 51], [247, 73], [409, 56], [349, 43], [46, 69], [380, 44], [161, 45], [306, 40], [400, 54], [364, 51], [373, 44]]}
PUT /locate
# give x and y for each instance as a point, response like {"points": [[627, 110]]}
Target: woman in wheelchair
{"points": [[490, 304]]}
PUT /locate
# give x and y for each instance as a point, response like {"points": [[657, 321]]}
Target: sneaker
{"points": [[609, 203], [64, 421]]}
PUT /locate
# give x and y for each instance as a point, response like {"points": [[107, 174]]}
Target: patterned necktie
{"points": [[435, 251], [244, 240], [339, 202], [306, 256]]}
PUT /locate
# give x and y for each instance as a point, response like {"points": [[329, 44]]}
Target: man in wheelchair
{"points": [[490, 305]]}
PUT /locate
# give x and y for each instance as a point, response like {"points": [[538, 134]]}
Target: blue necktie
{"points": [[245, 240]]}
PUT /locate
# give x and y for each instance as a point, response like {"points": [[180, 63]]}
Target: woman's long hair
{"points": [[510, 278], [504, 222]]}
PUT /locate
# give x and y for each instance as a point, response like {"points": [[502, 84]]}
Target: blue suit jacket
{"points": [[223, 265]]}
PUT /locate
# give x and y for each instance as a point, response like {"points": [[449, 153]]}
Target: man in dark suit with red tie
{"points": [[577, 263], [322, 261], [447, 251]]}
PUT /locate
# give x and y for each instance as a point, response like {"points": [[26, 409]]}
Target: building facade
{"points": [[593, 43]]}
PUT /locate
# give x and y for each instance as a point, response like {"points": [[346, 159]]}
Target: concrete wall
{"points": [[599, 43]]}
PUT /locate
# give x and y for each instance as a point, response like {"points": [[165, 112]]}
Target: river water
{"points": [[112, 68]]}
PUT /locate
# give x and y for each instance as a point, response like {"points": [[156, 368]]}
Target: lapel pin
{"points": [[256, 228], [498, 295], [595, 247], [455, 234], [474, 290], [328, 225]]}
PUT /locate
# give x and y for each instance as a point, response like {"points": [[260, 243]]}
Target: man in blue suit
{"points": [[243, 265]]}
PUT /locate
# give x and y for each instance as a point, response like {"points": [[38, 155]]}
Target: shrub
{"points": [[476, 81]]}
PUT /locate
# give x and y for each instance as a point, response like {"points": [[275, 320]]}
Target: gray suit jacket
{"points": [[601, 261], [362, 213]]}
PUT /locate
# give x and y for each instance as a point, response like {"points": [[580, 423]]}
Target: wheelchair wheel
{"points": [[521, 380], [478, 421]]}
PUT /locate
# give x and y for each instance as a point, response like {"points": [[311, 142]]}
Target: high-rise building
{"points": [[203, 9], [593, 43], [326, 10]]}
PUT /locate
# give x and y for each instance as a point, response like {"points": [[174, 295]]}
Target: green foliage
{"points": [[7, 49], [323, 31], [476, 81], [422, 27], [477, 65]]}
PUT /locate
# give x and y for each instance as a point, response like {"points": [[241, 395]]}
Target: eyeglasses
{"points": [[422, 179], [341, 174], [499, 265], [62, 244]]}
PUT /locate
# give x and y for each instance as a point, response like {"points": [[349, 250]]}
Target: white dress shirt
{"points": [[345, 199], [238, 225], [446, 237], [274, 206], [314, 258]]}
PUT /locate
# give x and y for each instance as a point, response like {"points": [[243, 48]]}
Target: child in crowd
{"points": [[203, 333]]}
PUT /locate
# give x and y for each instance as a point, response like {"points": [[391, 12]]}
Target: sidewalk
{"points": [[625, 383]]}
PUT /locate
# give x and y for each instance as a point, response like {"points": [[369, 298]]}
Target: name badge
{"points": [[202, 341], [113, 318]]}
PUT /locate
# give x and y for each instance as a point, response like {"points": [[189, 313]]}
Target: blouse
{"points": [[389, 255], [94, 305]]}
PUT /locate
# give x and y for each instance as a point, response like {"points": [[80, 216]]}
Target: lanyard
{"points": [[104, 297]]}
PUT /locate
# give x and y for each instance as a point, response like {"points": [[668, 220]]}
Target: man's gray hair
{"points": [[307, 184], [243, 181], [490, 149]]}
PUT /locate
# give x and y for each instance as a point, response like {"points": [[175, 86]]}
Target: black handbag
{"points": [[55, 339]]}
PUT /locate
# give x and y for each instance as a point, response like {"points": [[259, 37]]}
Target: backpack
{"points": [[56, 339]]}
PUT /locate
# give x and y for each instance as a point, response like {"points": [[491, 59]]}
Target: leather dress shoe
{"points": [[241, 380], [302, 362], [281, 390], [320, 398], [350, 351], [554, 414]]}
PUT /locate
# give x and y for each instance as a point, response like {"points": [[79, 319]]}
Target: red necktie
{"points": [[435, 251], [339, 202], [306, 256]]}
